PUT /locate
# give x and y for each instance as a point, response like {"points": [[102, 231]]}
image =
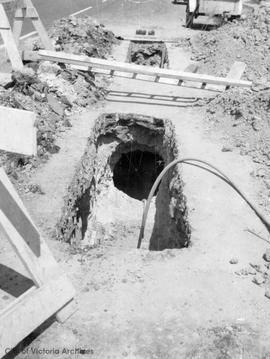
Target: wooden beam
{"points": [[21, 248], [9, 41], [143, 70], [26, 10], [18, 21], [17, 131], [30, 310], [19, 220], [237, 70]]}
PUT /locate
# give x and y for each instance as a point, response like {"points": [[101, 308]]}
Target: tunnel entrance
{"points": [[126, 153], [136, 171]]}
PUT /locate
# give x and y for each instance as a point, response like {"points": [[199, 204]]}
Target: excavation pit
{"points": [[136, 172], [148, 53], [124, 154]]}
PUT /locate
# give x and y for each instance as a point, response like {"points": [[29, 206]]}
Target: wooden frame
{"points": [[9, 40], [26, 10], [52, 293], [23, 9]]}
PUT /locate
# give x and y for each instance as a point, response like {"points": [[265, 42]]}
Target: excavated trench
{"points": [[127, 152], [148, 53]]}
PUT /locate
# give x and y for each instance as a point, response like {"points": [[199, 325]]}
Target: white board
{"points": [[17, 131]]}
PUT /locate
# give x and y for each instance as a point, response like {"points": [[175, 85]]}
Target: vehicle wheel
{"points": [[189, 19]]}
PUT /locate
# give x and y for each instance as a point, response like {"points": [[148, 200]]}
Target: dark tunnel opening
{"points": [[136, 171]]}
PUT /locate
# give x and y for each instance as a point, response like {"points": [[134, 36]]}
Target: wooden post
{"points": [[52, 292], [9, 40], [26, 10]]}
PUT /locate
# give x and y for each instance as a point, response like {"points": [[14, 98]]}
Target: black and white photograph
{"points": [[135, 179]]}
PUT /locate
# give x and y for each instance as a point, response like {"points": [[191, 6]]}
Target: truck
{"points": [[229, 9]]}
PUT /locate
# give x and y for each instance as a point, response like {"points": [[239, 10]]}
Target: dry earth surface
{"points": [[205, 301]]}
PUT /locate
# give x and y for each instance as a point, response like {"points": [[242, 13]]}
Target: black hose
{"points": [[217, 172]]}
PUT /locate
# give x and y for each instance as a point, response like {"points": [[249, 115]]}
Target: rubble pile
{"points": [[29, 93], [54, 93], [51, 96], [246, 40], [148, 54], [82, 36]]}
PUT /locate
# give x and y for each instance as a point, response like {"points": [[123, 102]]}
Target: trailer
{"points": [[229, 9]]}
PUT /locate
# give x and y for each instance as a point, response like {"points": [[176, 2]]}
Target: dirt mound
{"points": [[244, 117], [248, 116], [243, 114], [82, 36], [246, 40]]}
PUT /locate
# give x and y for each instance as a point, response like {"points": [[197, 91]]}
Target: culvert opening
{"points": [[136, 171], [148, 53], [126, 152]]}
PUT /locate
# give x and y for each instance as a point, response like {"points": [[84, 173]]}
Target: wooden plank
{"points": [[38, 25], [5, 78], [28, 55], [17, 131], [192, 67], [4, 23], [145, 70], [46, 260], [30, 310], [42, 34], [18, 23], [67, 311], [10, 188], [9, 42], [21, 248], [19, 220], [236, 72]]}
